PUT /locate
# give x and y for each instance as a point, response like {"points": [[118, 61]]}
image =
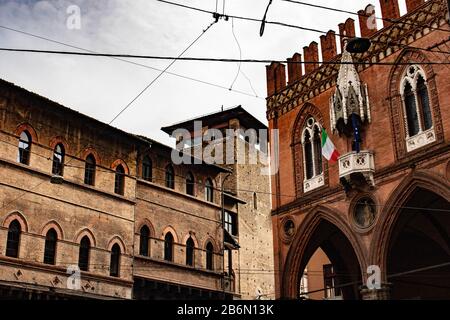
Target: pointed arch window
{"points": [[25, 141], [119, 185], [170, 177], [50, 246], [114, 266], [58, 160], [89, 170], [309, 162], [411, 111], [209, 190], [312, 155], [83, 254], [418, 117], [190, 245], [144, 241], [424, 103], [190, 182], [209, 256], [168, 247], [13, 241], [147, 169]]}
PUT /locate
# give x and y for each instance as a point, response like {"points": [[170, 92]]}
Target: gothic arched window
{"points": [[50, 246], [209, 190], [114, 265], [312, 149], [58, 160], [418, 118], [190, 182], [144, 240], [83, 254], [119, 185], [13, 241], [170, 177], [190, 252], [24, 148], [424, 103], [209, 256], [411, 111], [89, 170], [168, 247], [416, 101], [147, 169]]}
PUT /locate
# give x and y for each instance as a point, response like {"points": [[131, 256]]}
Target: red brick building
{"points": [[386, 201]]}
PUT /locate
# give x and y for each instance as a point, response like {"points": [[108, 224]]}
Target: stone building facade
{"points": [[382, 208], [247, 200], [90, 211]]}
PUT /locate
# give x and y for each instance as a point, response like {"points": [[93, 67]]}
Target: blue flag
{"points": [[356, 133]]}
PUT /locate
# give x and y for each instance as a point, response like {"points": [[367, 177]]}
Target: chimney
{"points": [[328, 44], [367, 21], [346, 30], [276, 78], [294, 68], [389, 10], [412, 5], [311, 54]]}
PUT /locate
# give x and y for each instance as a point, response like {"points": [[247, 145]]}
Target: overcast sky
{"points": [[100, 87]]}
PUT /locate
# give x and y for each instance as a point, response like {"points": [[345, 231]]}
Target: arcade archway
{"points": [[418, 257]]}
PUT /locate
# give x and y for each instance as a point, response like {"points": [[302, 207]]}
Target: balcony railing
{"points": [[354, 163]]}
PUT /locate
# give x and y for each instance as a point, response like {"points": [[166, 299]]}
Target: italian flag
{"points": [[328, 149]]}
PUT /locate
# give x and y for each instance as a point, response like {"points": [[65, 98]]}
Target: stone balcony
{"points": [[354, 166]]}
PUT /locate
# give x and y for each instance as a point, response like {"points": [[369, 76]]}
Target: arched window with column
{"points": [[25, 141], [13, 240], [168, 247], [144, 241], [50, 246], [308, 155], [58, 160], [424, 103], [416, 102], [83, 253], [190, 249], [412, 116], [89, 170], [114, 266], [312, 155]]}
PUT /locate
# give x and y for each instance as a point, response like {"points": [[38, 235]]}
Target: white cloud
{"points": [[100, 87]]}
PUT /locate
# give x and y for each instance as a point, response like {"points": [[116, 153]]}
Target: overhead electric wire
{"points": [[394, 21], [123, 109], [162, 72], [153, 179], [225, 60], [132, 62], [291, 25]]}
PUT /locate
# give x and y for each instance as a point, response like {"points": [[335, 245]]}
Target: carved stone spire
{"points": [[350, 97]]}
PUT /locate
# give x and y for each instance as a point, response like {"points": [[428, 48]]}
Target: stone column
{"points": [[383, 293]]}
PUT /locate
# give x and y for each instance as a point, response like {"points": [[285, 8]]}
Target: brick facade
{"points": [[399, 173]]}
